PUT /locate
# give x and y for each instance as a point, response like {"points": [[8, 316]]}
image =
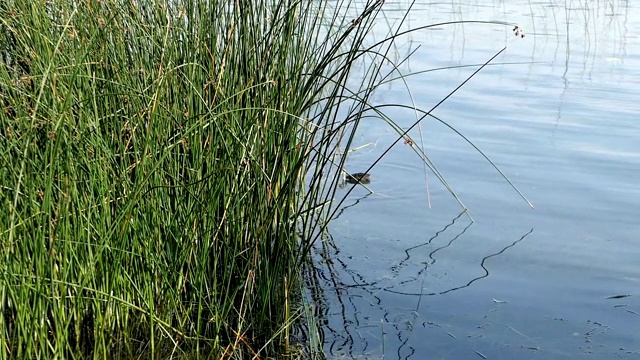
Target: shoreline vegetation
{"points": [[166, 169]]}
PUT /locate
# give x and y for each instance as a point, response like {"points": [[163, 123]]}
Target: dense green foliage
{"points": [[152, 162], [165, 167]]}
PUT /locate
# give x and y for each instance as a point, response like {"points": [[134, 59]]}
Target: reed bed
{"points": [[153, 156], [166, 167]]}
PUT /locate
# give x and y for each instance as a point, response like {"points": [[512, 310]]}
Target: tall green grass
{"points": [[153, 156], [166, 167]]}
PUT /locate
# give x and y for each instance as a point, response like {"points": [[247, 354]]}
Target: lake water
{"points": [[406, 275]]}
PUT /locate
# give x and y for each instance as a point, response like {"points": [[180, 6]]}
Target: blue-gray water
{"points": [[558, 113]]}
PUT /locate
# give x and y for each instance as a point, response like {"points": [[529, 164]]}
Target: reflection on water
{"points": [[404, 274], [335, 280]]}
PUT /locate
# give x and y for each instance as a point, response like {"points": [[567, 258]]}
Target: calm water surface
{"points": [[412, 277]]}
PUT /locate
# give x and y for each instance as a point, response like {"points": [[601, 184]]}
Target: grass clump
{"points": [[152, 162], [165, 168]]}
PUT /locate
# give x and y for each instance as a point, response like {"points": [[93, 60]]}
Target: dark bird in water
{"points": [[361, 178]]}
